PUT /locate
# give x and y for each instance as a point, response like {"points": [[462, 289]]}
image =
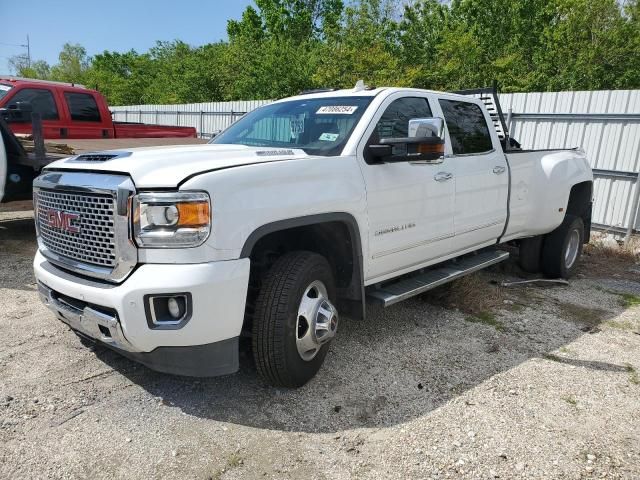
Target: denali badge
{"points": [[65, 221], [394, 229]]}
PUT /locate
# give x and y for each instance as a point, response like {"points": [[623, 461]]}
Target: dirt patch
{"points": [[474, 294]]}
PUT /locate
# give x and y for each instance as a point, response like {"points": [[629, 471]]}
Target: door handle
{"points": [[498, 170], [442, 176]]}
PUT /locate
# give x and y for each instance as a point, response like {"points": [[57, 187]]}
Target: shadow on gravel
{"points": [[591, 365], [398, 365], [17, 247]]}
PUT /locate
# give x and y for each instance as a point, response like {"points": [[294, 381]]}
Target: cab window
{"points": [[41, 101], [394, 122], [82, 107], [467, 127]]}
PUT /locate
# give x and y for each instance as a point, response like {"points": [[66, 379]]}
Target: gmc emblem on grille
{"points": [[65, 221]]}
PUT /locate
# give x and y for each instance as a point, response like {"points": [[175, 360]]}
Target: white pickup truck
{"points": [[293, 216]]}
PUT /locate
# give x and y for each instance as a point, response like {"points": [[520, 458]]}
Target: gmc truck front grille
{"points": [[82, 221], [78, 226]]}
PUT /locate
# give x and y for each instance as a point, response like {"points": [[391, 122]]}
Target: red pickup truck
{"points": [[72, 111]]}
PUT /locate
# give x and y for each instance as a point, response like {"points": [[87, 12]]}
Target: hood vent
{"points": [[98, 157]]}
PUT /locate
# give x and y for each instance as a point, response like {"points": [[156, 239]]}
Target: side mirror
{"points": [[425, 143], [19, 112], [426, 127]]}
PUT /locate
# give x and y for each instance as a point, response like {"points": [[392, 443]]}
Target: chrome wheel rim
{"points": [[317, 321], [573, 246]]}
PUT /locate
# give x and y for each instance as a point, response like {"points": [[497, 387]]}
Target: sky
{"points": [[118, 25]]}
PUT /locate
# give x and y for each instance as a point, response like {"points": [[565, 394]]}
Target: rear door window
{"points": [[82, 107], [41, 101], [467, 127]]}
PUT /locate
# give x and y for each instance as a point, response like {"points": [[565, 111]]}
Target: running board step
{"points": [[408, 287]]}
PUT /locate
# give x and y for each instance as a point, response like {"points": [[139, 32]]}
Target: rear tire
{"points": [[530, 253], [288, 339], [562, 248]]}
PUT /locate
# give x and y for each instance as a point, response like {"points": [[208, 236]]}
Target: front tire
{"points": [[562, 248], [294, 319]]}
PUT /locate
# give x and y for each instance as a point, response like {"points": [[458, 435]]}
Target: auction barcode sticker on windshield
{"points": [[337, 110]]}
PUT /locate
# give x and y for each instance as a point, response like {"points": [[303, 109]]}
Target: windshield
{"points": [[4, 89], [319, 126]]}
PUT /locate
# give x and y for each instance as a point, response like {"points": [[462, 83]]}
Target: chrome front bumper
{"points": [[86, 320]]}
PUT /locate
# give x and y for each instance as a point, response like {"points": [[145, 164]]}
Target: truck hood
{"points": [[164, 167]]}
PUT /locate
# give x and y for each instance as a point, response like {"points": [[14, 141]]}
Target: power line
{"points": [[14, 44], [21, 45]]}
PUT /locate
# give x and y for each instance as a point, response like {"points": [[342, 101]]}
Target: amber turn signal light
{"points": [[193, 214]]}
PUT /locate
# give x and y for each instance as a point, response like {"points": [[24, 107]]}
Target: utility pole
{"points": [[28, 52]]}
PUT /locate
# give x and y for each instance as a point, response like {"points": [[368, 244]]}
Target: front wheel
{"points": [[295, 319], [563, 247]]}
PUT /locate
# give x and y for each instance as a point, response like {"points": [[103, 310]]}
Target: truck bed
{"points": [[540, 186], [90, 145], [142, 130]]}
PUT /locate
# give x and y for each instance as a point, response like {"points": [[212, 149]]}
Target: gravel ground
{"points": [[546, 385]]}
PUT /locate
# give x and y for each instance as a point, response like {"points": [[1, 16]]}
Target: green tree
{"points": [[23, 68], [591, 45], [364, 48], [73, 63], [123, 78], [273, 51], [421, 31]]}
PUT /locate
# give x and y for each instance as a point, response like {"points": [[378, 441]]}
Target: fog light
{"points": [[168, 311], [174, 307]]}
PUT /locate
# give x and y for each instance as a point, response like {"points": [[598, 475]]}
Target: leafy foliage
{"points": [[280, 47]]}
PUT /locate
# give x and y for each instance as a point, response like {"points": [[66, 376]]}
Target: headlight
{"points": [[172, 219]]}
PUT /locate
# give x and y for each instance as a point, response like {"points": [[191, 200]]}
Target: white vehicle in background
{"points": [[290, 219], [17, 167]]}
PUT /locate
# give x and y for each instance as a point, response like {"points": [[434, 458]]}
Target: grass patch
{"points": [[233, 461], [571, 400], [486, 318], [604, 246], [626, 300], [620, 325], [629, 300], [516, 307], [582, 315], [565, 350], [633, 374], [604, 257]]}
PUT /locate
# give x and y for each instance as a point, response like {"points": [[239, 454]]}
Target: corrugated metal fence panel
{"points": [[207, 118], [610, 143]]}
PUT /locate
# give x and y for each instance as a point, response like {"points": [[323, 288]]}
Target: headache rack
{"points": [[489, 96]]}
